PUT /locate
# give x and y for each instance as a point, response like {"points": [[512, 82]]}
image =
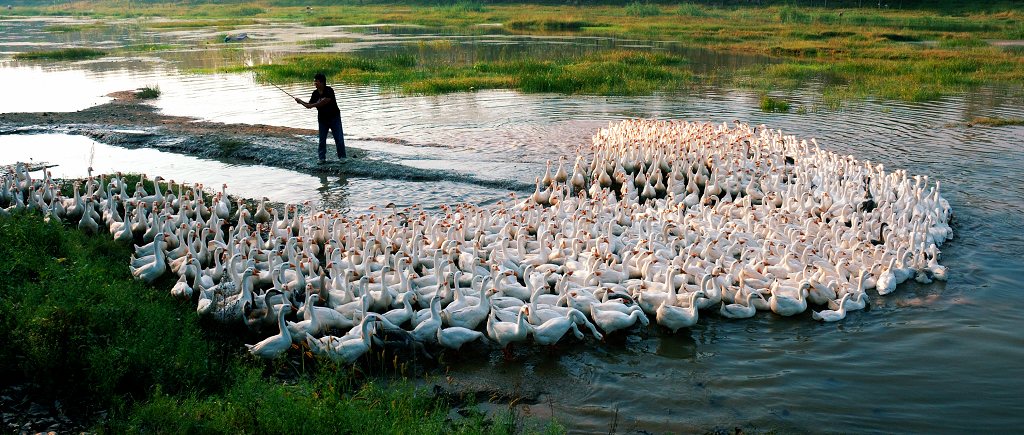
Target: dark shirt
{"points": [[329, 111]]}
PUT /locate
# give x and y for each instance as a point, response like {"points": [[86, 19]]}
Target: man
{"points": [[328, 116]]}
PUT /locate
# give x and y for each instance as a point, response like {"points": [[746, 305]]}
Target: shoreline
{"points": [[128, 122]]}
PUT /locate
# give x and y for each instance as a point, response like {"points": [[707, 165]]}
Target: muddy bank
{"points": [[131, 123]]}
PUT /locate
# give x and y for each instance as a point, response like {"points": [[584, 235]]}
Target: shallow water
{"points": [[943, 357]]}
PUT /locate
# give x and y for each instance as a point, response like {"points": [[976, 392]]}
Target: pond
{"points": [[942, 357]]}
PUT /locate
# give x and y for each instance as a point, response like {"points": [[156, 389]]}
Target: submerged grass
{"points": [[147, 47], [996, 121], [608, 73], [77, 328], [62, 54], [67, 28], [319, 43], [211, 23]]}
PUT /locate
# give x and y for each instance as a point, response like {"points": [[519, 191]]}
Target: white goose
{"points": [[275, 345], [832, 315], [786, 305], [675, 317], [886, 282], [425, 330], [152, 270], [345, 350], [740, 311], [455, 337], [611, 320], [552, 330], [506, 333]]}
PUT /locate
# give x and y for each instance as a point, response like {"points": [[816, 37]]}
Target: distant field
{"points": [[910, 51]]}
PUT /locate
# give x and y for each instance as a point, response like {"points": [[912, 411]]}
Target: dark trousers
{"points": [[339, 137]]}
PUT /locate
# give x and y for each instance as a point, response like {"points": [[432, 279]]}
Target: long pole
{"points": [[282, 90]]}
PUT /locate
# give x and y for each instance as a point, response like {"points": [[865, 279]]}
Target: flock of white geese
{"points": [[655, 220]]}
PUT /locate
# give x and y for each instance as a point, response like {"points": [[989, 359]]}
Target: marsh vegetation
{"points": [[607, 73], [64, 54], [846, 52]]}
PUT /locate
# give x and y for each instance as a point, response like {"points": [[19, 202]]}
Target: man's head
{"points": [[320, 80]]}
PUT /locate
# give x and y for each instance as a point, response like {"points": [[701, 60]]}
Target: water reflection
{"points": [[335, 191]]}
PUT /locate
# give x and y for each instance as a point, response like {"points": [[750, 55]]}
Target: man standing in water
{"points": [[328, 116]]}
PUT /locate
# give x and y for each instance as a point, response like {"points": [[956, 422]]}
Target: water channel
{"points": [[942, 357]]}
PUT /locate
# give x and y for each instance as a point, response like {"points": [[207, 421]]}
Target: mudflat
{"points": [[129, 122]]}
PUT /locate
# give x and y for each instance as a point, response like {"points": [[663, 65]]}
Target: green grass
{"points": [[148, 92], [224, 23], [637, 9], [848, 52], [319, 43], [608, 73], [696, 11], [134, 48], [892, 79], [62, 54], [77, 325], [466, 6], [77, 328], [325, 42], [553, 25], [770, 104], [67, 28]]}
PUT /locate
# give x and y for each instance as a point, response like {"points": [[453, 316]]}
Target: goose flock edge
{"points": [[662, 220]]}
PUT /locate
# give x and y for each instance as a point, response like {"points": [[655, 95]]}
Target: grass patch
{"points": [[77, 325], [770, 104], [996, 121], [62, 54], [326, 42], [903, 72], [135, 48], [193, 24], [961, 42], [607, 73], [148, 92], [696, 11], [638, 9], [466, 6], [553, 25], [68, 28], [318, 43]]}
